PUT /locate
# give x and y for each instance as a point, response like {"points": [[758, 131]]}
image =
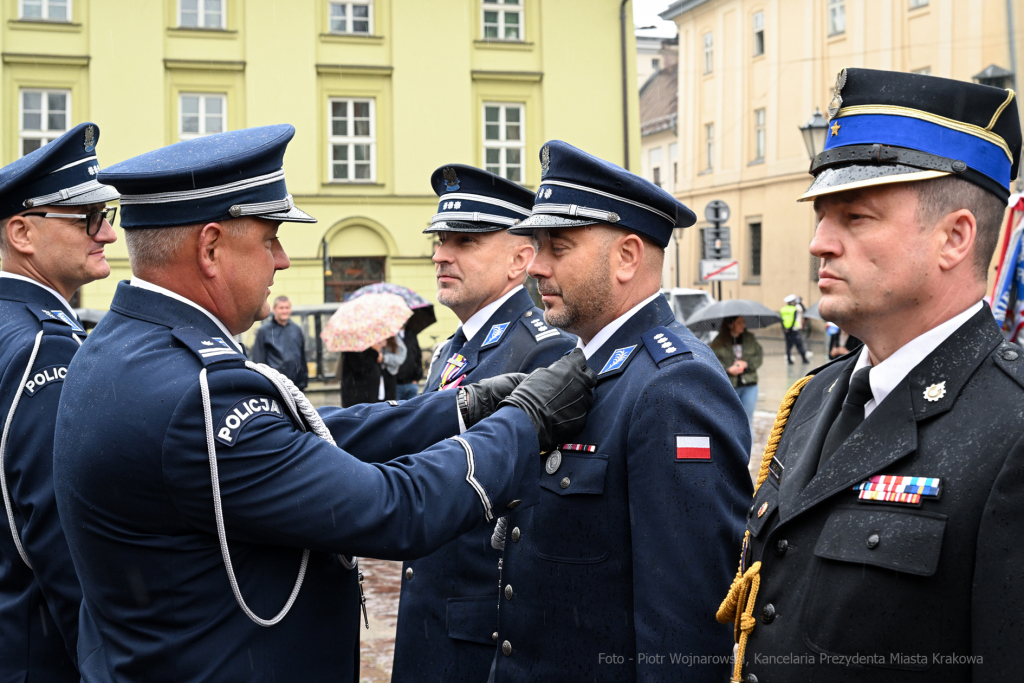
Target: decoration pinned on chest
{"points": [[494, 335], [898, 489], [452, 376], [935, 392]]}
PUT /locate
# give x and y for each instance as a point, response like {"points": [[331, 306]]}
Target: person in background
{"points": [[281, 344], [741, 355], [842, 343], [411, 371], [360, 373], [393, 354], [792, 324]]}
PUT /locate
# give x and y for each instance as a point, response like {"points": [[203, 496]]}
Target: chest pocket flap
{"points": [[907, 541], [577, 473]]}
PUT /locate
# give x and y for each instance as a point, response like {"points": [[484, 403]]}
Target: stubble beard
{"points": [[582, 303]]}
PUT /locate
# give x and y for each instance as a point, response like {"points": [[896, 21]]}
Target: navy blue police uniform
{"points": [[448, 609], [39, 334], [211, 512], [888, 549], [614, 573]]}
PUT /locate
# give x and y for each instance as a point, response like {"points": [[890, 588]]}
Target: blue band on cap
{"points": [[924, 136]]}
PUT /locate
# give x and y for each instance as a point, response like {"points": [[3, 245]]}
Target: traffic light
{"points": [[715, 243]]}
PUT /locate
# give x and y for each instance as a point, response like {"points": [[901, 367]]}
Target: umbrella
{"points": [[710, 317], [422, 310], [359, 324], [813, 313]]}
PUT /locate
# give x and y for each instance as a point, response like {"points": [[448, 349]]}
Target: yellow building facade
{"points": [[751, 72], [381, 92]]}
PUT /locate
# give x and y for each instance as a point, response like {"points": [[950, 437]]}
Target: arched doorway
{"points": [[356, 256]]}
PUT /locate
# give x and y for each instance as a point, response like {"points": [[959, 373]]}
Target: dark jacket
{"points": [[360, 377], [282, 347], [38, 606], [905, 587], [133, 483], [411, 369], [852, 344], [752, 353]]}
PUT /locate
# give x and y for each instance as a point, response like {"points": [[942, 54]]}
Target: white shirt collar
{"points": [[62, 300], [886, 375], [142, 284], [611, 328], [478, 319]]}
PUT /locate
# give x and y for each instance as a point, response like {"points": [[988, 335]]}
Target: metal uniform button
{"points": [[768, 613], [516, 534], [529, 314], [508, 591], [1009, 354], [494, 636], [751, 678], [564, 483], [408, 573], [781, 546], [506, 648], [873, 541], [554, 461], [514, 504]]}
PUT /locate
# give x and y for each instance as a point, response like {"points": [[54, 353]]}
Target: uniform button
{"points": [[506, 648], [408, 573], [516, 534], [564, 483], [494, 636], [514, 504], [508, 591], [768, 613], [751, 678], [529, 314], [781, 546], [751, 510], [873, 541], [1009, 354]]}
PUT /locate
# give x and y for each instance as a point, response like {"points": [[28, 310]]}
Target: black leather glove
{"points": [[480, 399], [556, 399]]}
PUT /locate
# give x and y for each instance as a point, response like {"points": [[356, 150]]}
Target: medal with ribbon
{"points": [[451, 376]]}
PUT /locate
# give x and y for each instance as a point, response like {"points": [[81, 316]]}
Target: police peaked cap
{"points": [[891, 127], [61, 173], [212, 178], [577, 188], [473, 200]]}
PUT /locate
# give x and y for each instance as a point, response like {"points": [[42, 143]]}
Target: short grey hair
{"points": [[282, 300], [156, 247], [3, 237]]}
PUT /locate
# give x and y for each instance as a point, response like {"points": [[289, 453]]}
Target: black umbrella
{"points": [[710, 317], [813, 313]]}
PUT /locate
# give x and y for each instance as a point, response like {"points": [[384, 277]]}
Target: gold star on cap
{"points": [[935, 392], [835, 128]]}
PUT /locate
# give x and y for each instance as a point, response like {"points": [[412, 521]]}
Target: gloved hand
{"points": [[481, 398], [556, 399]]}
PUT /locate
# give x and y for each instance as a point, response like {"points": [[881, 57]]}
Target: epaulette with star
{"points": [[533, 320]]}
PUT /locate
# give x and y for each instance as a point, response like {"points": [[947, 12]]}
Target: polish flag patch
{"points": [[693, 448]]}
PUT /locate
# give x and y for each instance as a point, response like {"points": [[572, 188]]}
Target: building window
{"points": [[709, 52], [758, 34], [349, 274], [755, 250], [656, 64], [673, 157], [201, 114], [914, 4], [836, 17], [45, 115], [201, 13], [503, 19], [45, 10], [709, 146], [759, 134], [351, 17], [504, 135], [352, 141], [924, 71], [655, 160]]}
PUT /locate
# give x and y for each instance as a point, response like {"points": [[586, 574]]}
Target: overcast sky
{"points": [[645, 13]]}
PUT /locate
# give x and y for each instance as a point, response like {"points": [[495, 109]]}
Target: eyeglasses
{"points": [[93, 221]]}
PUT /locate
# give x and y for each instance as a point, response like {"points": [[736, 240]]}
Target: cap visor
{"points": [[463, 226], [540, 221], [856, 176], [294, 215], [100, 195]]}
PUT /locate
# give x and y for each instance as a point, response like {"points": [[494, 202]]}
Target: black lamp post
{"points": [[814, 132]]}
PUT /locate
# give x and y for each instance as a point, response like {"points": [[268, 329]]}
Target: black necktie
{"points": [[458, 341], [851, 415]]}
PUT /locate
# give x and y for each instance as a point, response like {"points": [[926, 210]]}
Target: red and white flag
{"points": [[693, 447]]}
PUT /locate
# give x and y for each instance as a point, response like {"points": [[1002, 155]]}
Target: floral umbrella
{"points": [[422, 310], [364, 321]]}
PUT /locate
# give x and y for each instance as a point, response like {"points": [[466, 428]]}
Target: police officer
{"points": [[54, 225], [884, 540], [448, 610], [614, 572], [211, 512]]}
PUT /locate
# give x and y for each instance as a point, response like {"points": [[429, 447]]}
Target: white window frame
{"points": [[349, 18], [760, 133], [709, 53], [203, 96], [44, 134], [836, 17], [502, 143], [758, 23], [655, 155], [350, 139], [709, 146], [503, 8], [45, 7], [923, 71], [201, 16]]}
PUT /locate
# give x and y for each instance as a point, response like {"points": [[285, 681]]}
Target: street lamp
{"points": [[814, 132]]}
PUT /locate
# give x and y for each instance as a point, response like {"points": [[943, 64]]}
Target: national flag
{"points": [[693, 447]]}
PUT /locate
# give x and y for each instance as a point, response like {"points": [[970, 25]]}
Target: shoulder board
{"points": [[1010, 359], [662, 343], [51, 315], [209, 349], [533, 320]]}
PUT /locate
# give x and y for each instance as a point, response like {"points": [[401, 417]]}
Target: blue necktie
{"points": [[458, 341]]}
